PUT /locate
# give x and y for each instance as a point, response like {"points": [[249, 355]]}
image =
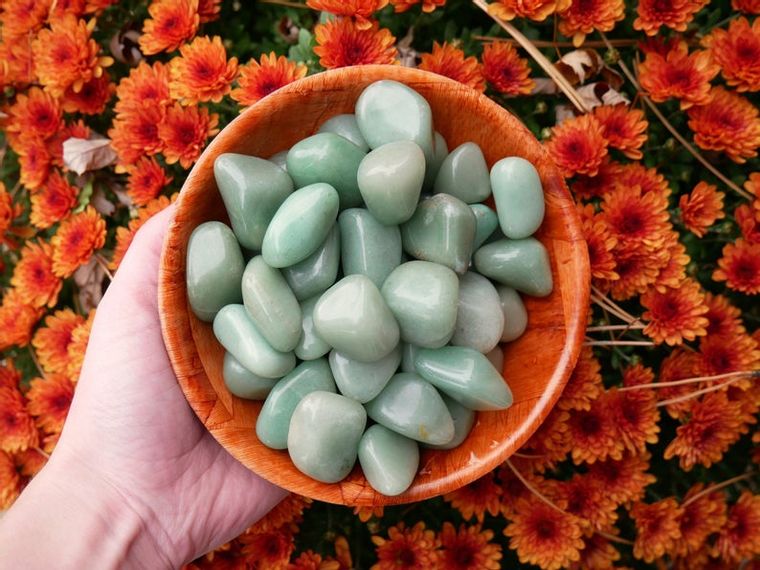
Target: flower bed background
{"points": [[650, 110]]}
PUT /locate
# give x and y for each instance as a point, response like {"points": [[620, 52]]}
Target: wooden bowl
{"points": [[537, 365]]}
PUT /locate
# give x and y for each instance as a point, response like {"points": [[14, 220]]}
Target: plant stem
{"points": [[717, 486], [36, 360], [591, 342], [749, 374], [692, 395]]}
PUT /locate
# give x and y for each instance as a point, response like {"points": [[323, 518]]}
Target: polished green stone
{"points": [[280, 159], [310, 345], [515, 315], [347, 127], [440, 152], [411, 406], [317, 272], [390, 180], [389, 111], [367, 247], [522, 264], [466, 375], [235, 330], [328, 158], [423, 298], [274, 418], [464, 174], [252, 190], [214, 269], [362, 381], [441, 230], [242, 382], [300, 225], [388, 459], [324, 435], [480, 320], [352, 317], [519, 196], [486, 221], [496, 357], [408, 354], [464, 419]]}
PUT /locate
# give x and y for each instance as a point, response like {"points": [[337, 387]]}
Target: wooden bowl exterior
{"points": [[537, 365]]}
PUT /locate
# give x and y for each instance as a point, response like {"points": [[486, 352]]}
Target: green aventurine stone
{"points": [[236, 332], [464, 419], [310, 346], [317, 272], [271, 304], [389, 111], [441, 230], [324, 435], [480, 320], [252, 189], [486, 221], [423, 298], [519, 196], [389, 460], [244, 383], [279, 159], [352, 317], [440, 152], [362, 381], [464, 174], [496, 357], [515, 315], [346, 127], [408, 354], [300, 225], [367, 247], [390, 180], [466, 375], [522, 264], [328, 158], [412, 407], [274, 418], [214, 269]]}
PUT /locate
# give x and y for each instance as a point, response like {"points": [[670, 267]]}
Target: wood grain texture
{"points": [[537, 365]]}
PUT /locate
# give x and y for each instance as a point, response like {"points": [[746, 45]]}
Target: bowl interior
{"points": [[537, 365]]}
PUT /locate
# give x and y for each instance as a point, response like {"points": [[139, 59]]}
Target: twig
{"points": [[713, 488], [624, 328], [104, 266], [692, 395], [628, 317], [36, 360], [529, 455], [533, 490], [591, 342], [613, 538], [285, 3], [41, 452], [749, 374], [551, 44]]}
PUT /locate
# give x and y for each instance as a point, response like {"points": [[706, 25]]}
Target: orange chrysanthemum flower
{"points": [[34, 161], [92, 97], [54, 202], [80, 336], [505, 70], [20, 17], [588, 187], [623, 480], [637, 267], [18, 62], [271, 548], [449, 61], [585, 383], [583, 18], [674, 14], [583, 497], [427, 5], [636, 416], [171, 23], [551, 441], [60, 8], [202, 73], [723, 354], [740, 537], [49, 401], [364, 514], [747, 220], [739, 267], [9, 375], [657, 528], [624, 128], [723, 319], [17, 319], [146, 86], [729, 123], [701, 515], [737, 52], [184, 133], [52, 341], [544, 536], [593, 433], [10, 481], [578, 145], [513, 489], [636, 218], [341, 43], [678, 365], [600, 242], [36, 114], [76, 240], [673, 273], [30, 461], [208, 10], [33, 276], [259, 79], [701, 208], [752, 185], [136, 134], [476, 498], [675, 314], [17, 430], [288, 511], [146, 180], [598, 553], [536, 10], [746, 6], [124, 235], [636, 174], [468, 549], [406, 548], [361, 10]]}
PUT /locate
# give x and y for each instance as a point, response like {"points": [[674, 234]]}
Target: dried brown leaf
{"points": [[83, 155], [89, 280]]}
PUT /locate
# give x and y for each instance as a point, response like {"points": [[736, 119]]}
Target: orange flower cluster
{"points": [[737, 52], [260, 78], [451, 62], [361, 10], [536, 10]]}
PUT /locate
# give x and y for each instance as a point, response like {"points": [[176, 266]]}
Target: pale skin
{"points": [[136, 481]]}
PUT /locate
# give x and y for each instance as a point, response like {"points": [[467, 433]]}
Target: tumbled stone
{"points": [[464, 419], [280, 159], [486, 221], [522, 264], [440, 152], [515, 315], [464, 174], [346, 127], [362, 381], [242, 382], [310, 345], [496, 357], [408, 354], [388, 459], [519, 196], [317, 272], [367, 247], [480, 320]]}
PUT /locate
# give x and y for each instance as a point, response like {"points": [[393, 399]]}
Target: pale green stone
{"points": [[464, 174], [331, 159], [300, 225], [237, 333], [273, 422], [423, 298], [522, 264], [252, 190], [519, 196], [346, 127], [466, 375], [515, 315], [440, 152], [367, 247], [310, 346], [441, 230], [272, 305], [317, 272], [496, 357], [362, 381], [408, 354], [242, 382], [388, 459], [390, 180], [464, 419], [280, 159], [352, 317], [480, 320], [324, 435], [411, 406], [486, 221], [214, 269]]}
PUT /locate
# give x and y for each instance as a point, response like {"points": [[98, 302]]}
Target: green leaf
{"points": [[84, 197]]}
